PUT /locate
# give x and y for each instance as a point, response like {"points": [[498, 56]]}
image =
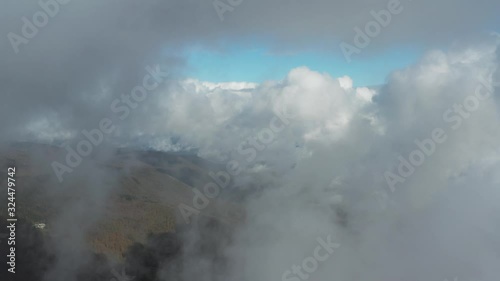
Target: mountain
{"points": [[143, 190]]}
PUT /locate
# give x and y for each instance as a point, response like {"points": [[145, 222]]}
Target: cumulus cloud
{"points": [[409, 239], [437, 224]]}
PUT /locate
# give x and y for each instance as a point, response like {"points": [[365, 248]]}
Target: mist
{"points": [[307, 177]]}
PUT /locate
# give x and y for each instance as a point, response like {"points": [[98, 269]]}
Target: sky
{"points": [[242, 63]]}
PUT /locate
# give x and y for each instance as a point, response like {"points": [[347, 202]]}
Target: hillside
{"points": [[143, 190]]}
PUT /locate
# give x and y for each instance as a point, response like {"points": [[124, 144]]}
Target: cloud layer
{"points": [[323, 172]]}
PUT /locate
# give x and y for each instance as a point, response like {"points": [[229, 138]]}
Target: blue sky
{"points": [[259, 64]]}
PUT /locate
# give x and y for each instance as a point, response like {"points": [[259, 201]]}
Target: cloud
{"points": [[423, 236], [74, 65], [322, 173], [319, 174], [440, 221]]}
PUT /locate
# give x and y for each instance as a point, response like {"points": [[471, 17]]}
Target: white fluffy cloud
{"points": [[442, 220]]}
